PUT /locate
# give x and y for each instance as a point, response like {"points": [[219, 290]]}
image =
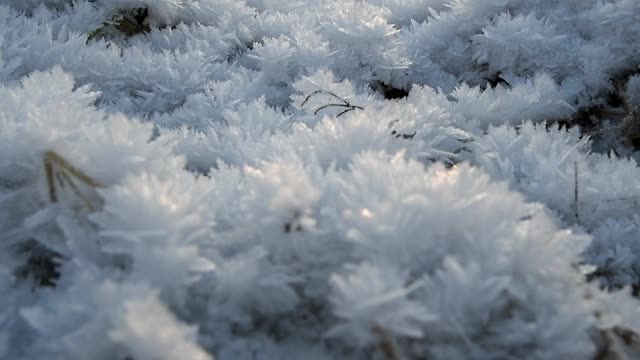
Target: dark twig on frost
{"points": [[397, 134], [404, 136], [344, 103], [48, 170], [386, 344]]}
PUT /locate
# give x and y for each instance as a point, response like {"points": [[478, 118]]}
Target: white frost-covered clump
{"points": [[261, 179]]}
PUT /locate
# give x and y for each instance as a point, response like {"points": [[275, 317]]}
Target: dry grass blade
{"points": [[386, 344], [58, 168], [48, 169], [53, 158]]}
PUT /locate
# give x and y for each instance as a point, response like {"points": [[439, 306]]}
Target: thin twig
{"points": [[309, 96], [345, 103], [344, 112], [328, 106]]}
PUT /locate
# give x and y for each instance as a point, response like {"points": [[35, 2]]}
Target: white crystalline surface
{"points": [[329, 179]]}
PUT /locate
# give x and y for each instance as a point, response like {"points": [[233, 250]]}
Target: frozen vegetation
{"points": [[327, 179]]}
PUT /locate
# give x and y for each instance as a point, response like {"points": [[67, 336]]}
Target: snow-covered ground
{"points": [[328, 179]]}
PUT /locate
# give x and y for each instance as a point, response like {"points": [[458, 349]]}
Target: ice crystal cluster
{"points": [[327, 179]]}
